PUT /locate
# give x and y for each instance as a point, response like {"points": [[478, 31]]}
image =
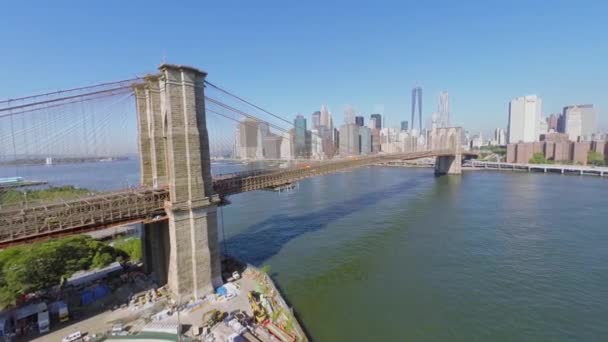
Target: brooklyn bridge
{"points": [[177, 197]]}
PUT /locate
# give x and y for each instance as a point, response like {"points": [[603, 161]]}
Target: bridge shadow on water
{"points": [[260, 241]]}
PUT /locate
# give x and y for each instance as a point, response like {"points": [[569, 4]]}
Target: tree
{"points": [[595, 158], [538, 158], [35, 267], [132, 247]]}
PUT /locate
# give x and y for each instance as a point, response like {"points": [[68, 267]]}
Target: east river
{"points": [[396, 254]]}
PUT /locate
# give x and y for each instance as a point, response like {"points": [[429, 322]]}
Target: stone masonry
{"points": [[174, 146]]}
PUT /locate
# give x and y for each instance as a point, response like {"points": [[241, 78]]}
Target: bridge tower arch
{"points": [[451, 163], [183, 250]]}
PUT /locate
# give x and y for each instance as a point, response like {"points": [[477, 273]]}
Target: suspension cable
{"points": [[71, 90]]}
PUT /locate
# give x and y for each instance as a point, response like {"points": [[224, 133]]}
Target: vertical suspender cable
{"points": [[14, 146]]}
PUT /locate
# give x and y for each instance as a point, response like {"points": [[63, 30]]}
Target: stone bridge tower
{"points": [[447, 139], [183, 249]]}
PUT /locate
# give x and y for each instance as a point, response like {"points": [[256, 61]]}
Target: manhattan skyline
{"points": [[292, 66]]}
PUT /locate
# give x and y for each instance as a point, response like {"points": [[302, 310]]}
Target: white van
{"points": [[73, 337]]}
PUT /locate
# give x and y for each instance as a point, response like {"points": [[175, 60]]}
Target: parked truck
{"points": [[64, 314], [44, 322]]}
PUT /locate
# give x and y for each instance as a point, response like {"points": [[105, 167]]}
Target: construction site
{"points": [[248, 307]]}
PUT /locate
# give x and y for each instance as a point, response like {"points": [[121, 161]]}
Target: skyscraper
{"points": [[360, 121], [444, 110], [300, 137], [500, 136], [378, 120], [580, 122], [349, 115], [349, 140], [404, 126], [325, 117], [417, 103], [365, 140], [316, 120], [249, 139], [524, 119]]}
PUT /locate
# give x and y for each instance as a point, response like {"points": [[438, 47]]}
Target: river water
{"points": [[395, 254]]}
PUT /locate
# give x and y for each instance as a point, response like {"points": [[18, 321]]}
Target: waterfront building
{"points": [[580, 121], [524, 119], [349, 140], [365, 140], [376, 145]]}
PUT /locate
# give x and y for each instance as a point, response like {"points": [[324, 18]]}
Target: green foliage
{"points": [[35, 267], [538, 158], [265, 269], [500, 150], [13, 196], [595, 158], [132, 247]]}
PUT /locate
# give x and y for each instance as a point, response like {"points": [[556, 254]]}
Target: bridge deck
{"points": [[19, 225]]}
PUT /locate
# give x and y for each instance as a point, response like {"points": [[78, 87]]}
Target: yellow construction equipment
{"points": [[210, 318], [259, 313]]}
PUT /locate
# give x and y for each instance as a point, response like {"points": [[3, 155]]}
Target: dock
{"points": [[582, 170], [21, 184]]}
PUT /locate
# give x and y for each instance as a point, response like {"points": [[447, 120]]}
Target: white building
{"points": [[388, 135], [316, 145], [543, 127], [249, 140], [500, 138], [325, 120], [524, 119], [286, 147], [477, 141], [371, 123], [580, 122]]}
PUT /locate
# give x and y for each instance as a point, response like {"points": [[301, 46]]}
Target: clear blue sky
{"points": [[293, 56]]}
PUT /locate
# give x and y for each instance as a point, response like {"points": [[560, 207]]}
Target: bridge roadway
{"points": [[26, 224]]}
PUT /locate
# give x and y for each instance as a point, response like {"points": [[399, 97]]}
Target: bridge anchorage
{"points": [[178, 198]]}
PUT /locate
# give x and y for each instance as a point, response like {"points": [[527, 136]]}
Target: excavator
{"points": [[259, 313], [210, 318]]}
